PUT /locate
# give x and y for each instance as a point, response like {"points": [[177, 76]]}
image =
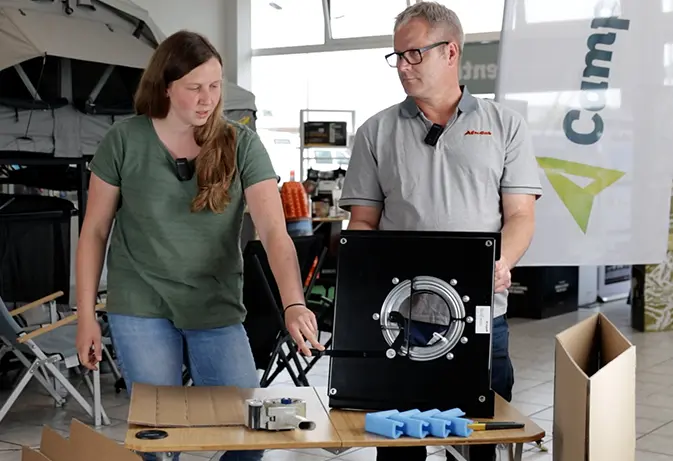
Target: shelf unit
{"points": [[307, 152]]}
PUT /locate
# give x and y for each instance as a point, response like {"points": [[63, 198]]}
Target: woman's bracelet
{"points": [[292, 305]]}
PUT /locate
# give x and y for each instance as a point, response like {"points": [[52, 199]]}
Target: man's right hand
{"points": [[89, 342]]}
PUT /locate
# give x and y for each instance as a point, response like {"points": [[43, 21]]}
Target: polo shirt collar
{"points": [[467, 103]]}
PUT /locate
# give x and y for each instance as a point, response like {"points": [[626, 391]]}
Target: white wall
{"points": [[226, 23], [202, 16]]}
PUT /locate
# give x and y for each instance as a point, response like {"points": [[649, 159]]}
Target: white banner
{"points": [[594, 80]]}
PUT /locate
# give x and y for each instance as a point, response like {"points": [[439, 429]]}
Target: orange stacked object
{"points": [[295, 201]]}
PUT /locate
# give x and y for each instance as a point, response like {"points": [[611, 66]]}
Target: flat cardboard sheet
{"points": [[88, 444], [28, 454], [54, 446], [179, 406], [84, 444]]}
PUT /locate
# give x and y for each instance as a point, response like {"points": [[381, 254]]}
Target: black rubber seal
{"points": [[151, 434]]}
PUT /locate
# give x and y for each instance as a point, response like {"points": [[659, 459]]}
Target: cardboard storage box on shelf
{"points": [[84, 444], [594, 393]]}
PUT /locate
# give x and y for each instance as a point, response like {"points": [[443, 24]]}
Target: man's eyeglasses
{"points": [[413, 56]]}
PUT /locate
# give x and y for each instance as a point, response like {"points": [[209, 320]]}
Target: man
{"points": [[479, 175]]}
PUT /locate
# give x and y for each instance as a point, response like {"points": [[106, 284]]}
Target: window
{"points": [[480, 16], [357, 18], [359, 80], [283, 23]]}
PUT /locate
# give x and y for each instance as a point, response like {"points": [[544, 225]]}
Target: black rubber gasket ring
{"points": [[151, 434]]}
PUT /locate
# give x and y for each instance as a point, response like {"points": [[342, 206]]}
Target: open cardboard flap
{"points": [[192, 406], [594, 393], [84, 444]]}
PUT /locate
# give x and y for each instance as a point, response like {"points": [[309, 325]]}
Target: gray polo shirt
{"points": [[484, 151]]}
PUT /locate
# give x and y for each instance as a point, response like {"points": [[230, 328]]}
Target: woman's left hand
{"points": [[300, 321]]}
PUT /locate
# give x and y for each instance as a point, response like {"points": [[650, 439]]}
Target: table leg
{"points": [[97, 417], [168, 456], [518, 452]]}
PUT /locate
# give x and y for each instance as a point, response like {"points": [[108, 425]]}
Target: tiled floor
{"points": [[532, 347]]}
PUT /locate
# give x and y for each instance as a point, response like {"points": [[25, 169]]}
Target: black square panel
{"points": [[439, 356]]}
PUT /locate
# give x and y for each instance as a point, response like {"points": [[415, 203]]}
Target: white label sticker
{"points": [[483, 321]]}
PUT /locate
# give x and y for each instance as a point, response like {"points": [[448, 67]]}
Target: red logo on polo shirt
{"points": [[474, 132]]}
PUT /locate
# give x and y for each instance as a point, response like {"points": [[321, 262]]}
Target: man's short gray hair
{"points": [[437, 15]]}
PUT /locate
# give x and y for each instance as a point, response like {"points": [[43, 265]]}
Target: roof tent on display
{"points": [[69, 70]]}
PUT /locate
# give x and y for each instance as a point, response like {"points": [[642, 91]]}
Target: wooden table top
{"points": [[350, 426], [241, 438], [334, 429]]}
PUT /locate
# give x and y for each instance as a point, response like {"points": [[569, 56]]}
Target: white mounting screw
{"points": [[390, 353], [376, 316], [489, 243], [449, 356], [469, 319], [482, 399], [463, 340], [396, 280], [343, 241], [332, 391], [466, 299], [453, 282]]}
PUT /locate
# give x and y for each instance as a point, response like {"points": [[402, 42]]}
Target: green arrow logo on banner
{"points": [[578, 200]]}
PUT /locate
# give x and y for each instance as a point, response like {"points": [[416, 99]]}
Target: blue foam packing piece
{"points": [[381, 424], [448, 414], [458, 424], [414, 423], [438, 427], [459, 427], [416, 428]]}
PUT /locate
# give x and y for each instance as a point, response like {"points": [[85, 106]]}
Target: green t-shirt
{"points": [[165, 261]]}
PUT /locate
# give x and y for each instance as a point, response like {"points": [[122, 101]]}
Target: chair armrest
{"points": [[37, 303], [52, 326]]}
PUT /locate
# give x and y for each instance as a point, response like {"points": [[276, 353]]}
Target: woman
{"points": [[176, 178]]}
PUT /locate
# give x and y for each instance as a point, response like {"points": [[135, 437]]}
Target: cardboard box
{"points": [[84, 444], [179, 406], [594, 393]]}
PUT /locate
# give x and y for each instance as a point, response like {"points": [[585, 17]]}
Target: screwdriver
{"points": [[496, 425]]}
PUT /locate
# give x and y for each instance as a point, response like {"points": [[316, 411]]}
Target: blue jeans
{"points": [[502, 382], [152, 351]]}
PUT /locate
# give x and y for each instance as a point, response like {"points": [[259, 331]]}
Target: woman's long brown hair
{"points": [[175, 57]]}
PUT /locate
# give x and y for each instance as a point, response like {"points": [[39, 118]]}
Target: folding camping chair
{"points": [[27, 322], [47, 346], [265, 323]]}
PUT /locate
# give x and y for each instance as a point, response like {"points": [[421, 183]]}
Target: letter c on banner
{"points": [[582, 138]]}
